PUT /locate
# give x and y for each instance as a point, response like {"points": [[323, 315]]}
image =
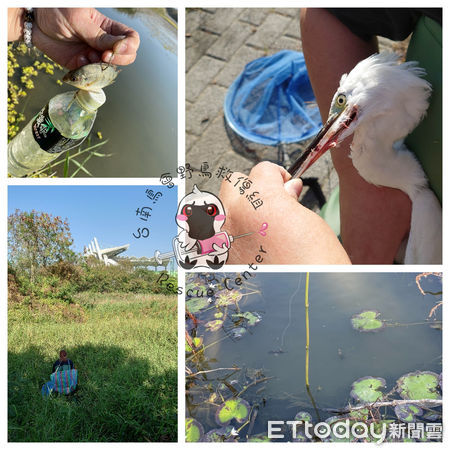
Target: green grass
{"points": [[125, 349]]}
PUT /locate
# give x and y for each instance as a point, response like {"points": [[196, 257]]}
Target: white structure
{"points": [[109, 255]]}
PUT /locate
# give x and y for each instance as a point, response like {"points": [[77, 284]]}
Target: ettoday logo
{"points": [[344, 429]]}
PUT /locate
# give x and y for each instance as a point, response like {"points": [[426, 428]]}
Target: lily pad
{"points": [[224, 434], [334, 423], [407, 413], [194, 430], [432, 416], [367, 321], [197, 341], [234, 408], [252, 318], [367, 389], [379, 427], [195, 305], [261, 437], [419, 385], [227, 297], [359, 414], [214, 325], [303, 416], [238, 332]]}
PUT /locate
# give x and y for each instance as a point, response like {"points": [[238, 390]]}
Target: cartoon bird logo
{"points": [[201, 243]]}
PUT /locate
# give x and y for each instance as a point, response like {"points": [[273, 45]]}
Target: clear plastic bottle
{"points": [[59, 126]]}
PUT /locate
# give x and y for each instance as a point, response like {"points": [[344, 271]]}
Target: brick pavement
{"points": [[219, 43]]}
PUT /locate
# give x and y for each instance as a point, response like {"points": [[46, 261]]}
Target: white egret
{"points": [[380, 102]]}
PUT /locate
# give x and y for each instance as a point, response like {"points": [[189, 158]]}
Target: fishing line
{"points": [[290, 308]]}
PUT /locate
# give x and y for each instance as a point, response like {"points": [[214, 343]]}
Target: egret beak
{"points": [[326, 139]]}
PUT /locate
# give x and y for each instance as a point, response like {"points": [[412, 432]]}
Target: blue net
{"points": [[271, 102]]}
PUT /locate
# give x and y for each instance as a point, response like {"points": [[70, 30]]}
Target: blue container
{"points": [[271, 102]]}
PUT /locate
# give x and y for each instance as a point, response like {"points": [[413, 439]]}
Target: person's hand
{"points": [[295, 235], [74, 37]]}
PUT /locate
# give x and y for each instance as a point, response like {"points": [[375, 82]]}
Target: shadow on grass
{"points": [[120, 398]]}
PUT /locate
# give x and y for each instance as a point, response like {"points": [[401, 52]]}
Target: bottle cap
{"points": [[91, 100]]}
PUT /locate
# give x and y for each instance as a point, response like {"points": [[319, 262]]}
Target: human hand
{"points": [[74, 37], [295, 235], [217, 250]]}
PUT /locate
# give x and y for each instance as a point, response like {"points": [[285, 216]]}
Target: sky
{"points": [[106, 212]]}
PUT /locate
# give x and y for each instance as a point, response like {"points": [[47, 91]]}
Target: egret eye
{"points": [[341, 100], [73, 78]]}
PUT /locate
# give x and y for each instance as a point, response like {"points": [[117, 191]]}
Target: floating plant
{"points": [[197, 341], [303, 416], [432, 416], [237, 333], [252, 318], [367, 389], [333, 422], [419, 385], [360, 414], [197, 287], [367, 321], [234, 408], [228, 297], [408, 413], [261, 437], [194, 430], [218, 315], [224, 434], [214, 325], [194, 305]]}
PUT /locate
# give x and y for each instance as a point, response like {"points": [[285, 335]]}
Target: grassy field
{"points": [[125, 349]]}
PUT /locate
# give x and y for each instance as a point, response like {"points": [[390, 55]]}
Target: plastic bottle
{"points": [[59, 126]]}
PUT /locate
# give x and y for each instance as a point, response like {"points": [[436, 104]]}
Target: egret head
{"points": [[380, 97]]}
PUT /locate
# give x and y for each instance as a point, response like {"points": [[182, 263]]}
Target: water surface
{"points": [[139, 118], [339, 355]]}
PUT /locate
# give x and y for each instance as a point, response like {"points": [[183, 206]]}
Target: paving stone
{"points": [[254, 16], [193, 19], [293, 29], [209, 148], [292, 12], [230, 41], [200, 75], [197, 45], [221, 20], [269, 31], [213, 61], [236, 64], [286, 43], [205, 109]]}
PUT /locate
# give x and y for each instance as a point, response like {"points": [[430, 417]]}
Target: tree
{"points": [[37, 239]]}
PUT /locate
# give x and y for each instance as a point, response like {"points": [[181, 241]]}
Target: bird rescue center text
{"points": [[228, 282]]}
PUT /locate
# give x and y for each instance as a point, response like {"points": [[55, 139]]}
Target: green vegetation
{"points": [[118, 325], [367, 321], [124, 347], [22, 69]]}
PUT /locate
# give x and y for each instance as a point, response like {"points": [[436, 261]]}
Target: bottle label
{"points": [[48, 137]]}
